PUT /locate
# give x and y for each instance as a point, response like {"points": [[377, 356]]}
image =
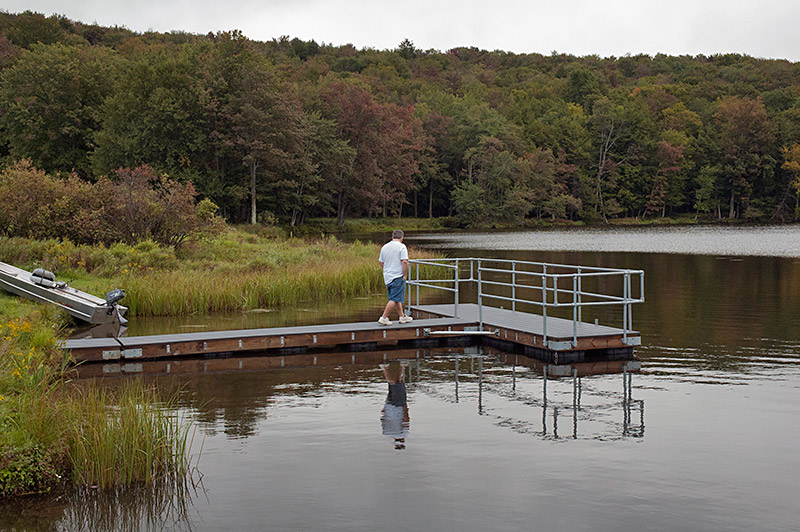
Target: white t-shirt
{"points": [[393, 253]]}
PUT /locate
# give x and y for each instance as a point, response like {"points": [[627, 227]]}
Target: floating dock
{"points": [[546, 338], [432, 327]]}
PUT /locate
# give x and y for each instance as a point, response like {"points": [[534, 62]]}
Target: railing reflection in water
{"points": [[632, 424]]}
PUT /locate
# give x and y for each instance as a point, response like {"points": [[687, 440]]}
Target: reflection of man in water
{"points": [[394, 416]]}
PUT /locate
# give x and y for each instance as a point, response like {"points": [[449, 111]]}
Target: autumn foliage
{"points": [[290, 129], [133, 205]]}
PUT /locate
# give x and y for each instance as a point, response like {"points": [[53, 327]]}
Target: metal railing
{"points": [[539, 284]]}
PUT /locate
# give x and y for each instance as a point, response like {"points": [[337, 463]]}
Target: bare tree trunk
{"points": [[340, 209], [430, 201], [296, 208], [732, 212], [253, 217], [608, 141]]}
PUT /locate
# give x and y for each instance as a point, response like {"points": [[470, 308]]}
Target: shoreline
{"points": [[317, 227]]}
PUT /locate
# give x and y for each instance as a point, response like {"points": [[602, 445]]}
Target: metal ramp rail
{"points": [[540, 284]]}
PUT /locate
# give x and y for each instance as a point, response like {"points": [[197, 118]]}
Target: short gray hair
{"points": [[397, 234]]}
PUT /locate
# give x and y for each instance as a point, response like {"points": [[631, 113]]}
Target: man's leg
{"points": [[389, 306], [400, 310], [404, 318]]}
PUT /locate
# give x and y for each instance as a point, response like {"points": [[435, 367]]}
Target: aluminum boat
{"points": [[41, 286]]}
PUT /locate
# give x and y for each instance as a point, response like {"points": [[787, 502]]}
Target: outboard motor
{"points": [[43, 277], [111, 300], [114, 296]]}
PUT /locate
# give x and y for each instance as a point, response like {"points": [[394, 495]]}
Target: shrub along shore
{"points": [[53, 429]]}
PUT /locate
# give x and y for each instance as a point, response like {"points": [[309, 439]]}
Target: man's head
{"points": [[397, 234]]}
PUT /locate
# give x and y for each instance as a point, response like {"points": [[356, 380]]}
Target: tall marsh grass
{"points": [[199, 292], [52, 428], [125, 437], [235, 270]]}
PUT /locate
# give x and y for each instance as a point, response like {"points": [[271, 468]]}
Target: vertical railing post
{"points": [[630, 306], [409, 282], [455, 303], [580, 295], [513, 286], [418, 284], [544, 304], [625, 280], [641, 286], [574, 310], [555, 290], [480, 298]]}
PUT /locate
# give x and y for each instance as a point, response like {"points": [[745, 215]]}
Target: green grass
{"points": [[53, 429]]}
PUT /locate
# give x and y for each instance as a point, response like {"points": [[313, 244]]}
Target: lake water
{"points": [[704, 438]]}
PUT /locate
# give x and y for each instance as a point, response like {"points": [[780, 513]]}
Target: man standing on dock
{"points": [[394, 261]]}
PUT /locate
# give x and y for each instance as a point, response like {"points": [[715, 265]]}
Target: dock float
{"points": [[250, 362]]}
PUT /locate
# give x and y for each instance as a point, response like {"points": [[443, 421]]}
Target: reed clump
{"points": [[125, 436], [52, 429], [180, 293]]}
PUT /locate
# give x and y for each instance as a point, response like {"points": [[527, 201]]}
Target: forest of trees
{"points": [[290, 129]]}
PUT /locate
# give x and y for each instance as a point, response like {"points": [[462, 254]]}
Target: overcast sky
{"points": [[765, 28]]}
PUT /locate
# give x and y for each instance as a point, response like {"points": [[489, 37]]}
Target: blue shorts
{"points": [[396, 290]]}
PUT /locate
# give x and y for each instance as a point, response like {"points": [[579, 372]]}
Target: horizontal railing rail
{"points": [[531, 283]]}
